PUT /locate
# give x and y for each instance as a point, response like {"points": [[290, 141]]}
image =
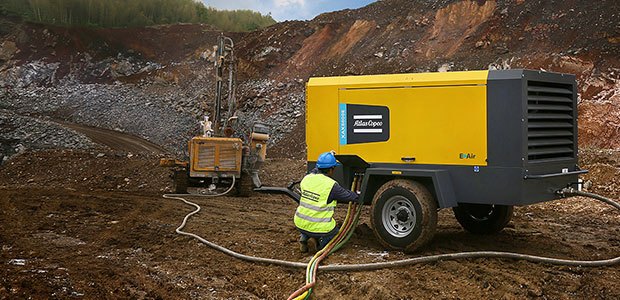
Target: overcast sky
{"points": [[282, 10]]}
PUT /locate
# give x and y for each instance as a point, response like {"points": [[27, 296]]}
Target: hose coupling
{"points": [[565, 192]]}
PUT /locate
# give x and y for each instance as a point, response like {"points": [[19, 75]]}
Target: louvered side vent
{"points": [[550, 125], [228, 157], [206, 156]]}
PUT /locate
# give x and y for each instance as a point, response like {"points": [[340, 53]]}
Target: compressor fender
{"points": [[437, 181]]}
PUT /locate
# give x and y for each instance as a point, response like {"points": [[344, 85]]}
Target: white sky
{"points": [[282, 10]]}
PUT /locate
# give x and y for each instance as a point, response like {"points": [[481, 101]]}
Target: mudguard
{"points": [[443, 188]]}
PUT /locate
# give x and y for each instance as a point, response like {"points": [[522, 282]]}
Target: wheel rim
{"points": [[398, 216]]}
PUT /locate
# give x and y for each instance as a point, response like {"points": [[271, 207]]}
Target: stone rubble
{"points": [[23, 132], [161, 84], [165, 115]]}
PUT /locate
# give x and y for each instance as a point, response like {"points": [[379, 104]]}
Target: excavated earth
{"points": [[94, 225], [85, 115]]}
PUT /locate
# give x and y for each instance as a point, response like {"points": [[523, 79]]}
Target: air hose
{"points": [[176, 196], [344, 234], [338, 241], [404, 262], [567, 192]]}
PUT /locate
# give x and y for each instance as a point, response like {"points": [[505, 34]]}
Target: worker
{"points": [[319, 195]]}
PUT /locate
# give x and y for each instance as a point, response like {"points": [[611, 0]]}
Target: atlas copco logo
{"points": [[363, 123], [373, 121]]}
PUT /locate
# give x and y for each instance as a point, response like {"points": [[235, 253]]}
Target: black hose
{"points": [[574, 192]]}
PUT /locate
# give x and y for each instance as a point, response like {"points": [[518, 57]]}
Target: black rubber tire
{"points": [[244, 185], [180, 180], [422, 203], [483, 218]]}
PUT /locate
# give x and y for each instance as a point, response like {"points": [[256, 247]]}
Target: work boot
{"points": [[313, 244], [303, 246]]}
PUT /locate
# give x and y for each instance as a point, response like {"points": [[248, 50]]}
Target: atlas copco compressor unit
{"points": [[479, 142]]}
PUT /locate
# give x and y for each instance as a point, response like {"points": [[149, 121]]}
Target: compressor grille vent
{"points": [[550, 121], [206, 156], [228, 158], [217, 157]]}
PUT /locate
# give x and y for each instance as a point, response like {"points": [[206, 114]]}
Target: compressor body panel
{"points": [[501, 137]]}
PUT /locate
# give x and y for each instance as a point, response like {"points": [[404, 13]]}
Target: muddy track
{"points": [[116, 140], [77, 224]]}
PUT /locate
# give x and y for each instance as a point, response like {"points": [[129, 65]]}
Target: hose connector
{"points": [[566, 192]]}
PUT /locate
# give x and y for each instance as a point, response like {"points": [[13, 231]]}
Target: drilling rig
{"points": [[221, 158]]}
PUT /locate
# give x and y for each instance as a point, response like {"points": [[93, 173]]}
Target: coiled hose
{"points": [[404, 262]]}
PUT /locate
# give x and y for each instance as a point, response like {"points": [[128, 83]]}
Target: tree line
{"points": [[132, 13]]}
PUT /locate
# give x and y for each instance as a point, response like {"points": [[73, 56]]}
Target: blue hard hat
{"points": [[326, 160]]}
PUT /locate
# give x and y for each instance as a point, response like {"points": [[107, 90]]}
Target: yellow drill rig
{"points": [[221, 158]]}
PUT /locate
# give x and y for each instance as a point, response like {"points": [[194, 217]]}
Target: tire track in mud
{"points": [[116, 140]]}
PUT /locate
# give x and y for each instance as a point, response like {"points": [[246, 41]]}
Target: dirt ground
{"points": [[94, 225]]}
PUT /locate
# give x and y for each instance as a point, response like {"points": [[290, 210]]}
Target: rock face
{"points": [[7, 50], [158, 82], [600, 115]]}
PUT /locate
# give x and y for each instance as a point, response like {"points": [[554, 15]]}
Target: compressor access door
{"points": [[444, 125]]}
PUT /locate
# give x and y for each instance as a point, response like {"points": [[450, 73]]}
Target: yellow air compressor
{"points": [[479, 142]]}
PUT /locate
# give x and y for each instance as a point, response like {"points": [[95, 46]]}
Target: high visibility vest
{"points": [[314, 214]]}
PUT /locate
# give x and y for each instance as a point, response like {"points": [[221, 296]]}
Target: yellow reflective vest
{"points": [[314, 214]]}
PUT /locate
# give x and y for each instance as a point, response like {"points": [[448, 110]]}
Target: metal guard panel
{"points": [[322, 101], [442, 183], [206, 174], [215, 156], [444, 125]]}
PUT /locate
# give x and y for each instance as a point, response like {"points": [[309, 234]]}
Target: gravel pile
{"points": [[280, 105], [124, 108], [163, 112], [37, 72], [19, 133]]}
